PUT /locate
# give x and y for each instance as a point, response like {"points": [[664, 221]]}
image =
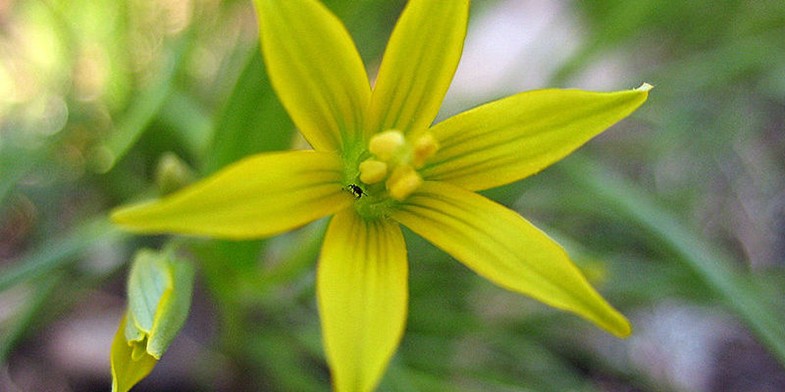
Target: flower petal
{"points": [[503, 247], [418, 65], [259, 196], [127, 371], [315, 69], [363, 294], [507, 140]]}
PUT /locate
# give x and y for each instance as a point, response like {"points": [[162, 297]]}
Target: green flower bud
{"points": [[159, 298], [172, 173]]}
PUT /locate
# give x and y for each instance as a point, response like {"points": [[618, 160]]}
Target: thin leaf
{"points": [[58, 252], [252, 121], [713, 267]]}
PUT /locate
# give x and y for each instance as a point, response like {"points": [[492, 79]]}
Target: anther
{"points": [[403, 182], [386, 144], [372, 171], [424, 147]]}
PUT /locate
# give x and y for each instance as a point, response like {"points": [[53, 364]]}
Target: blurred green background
{"points": [[677, 214]]}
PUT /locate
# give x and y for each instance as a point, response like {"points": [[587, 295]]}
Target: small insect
{"points": [[356, 190]]}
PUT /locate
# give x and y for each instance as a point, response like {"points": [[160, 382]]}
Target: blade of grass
{"points": [[15, 163], [188, 121], [142, 111], [57, 253], [301, 256], [252, 121], [38, 300], [714, 268]]}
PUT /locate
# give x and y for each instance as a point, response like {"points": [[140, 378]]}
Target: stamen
{"points": [[424, 147], [403, 182], [372, 171], [394, 161], [386, 144]]}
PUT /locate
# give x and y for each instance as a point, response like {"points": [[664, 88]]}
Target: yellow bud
{"points": [[372, 171], [384, 145], [424, 148], [403, 182]]}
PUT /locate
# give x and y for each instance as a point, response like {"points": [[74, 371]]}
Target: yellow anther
{"points": [[395, 161], [424, 147], [386, 144], [403, 182], [372, 171]]}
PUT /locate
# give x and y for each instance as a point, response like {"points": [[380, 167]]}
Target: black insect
{"points": [[356, 190]]}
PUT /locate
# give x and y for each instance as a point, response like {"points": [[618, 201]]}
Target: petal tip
{"points": [[123, 215], [131, 217], [645, 87], [621, 327], [118, 216]]}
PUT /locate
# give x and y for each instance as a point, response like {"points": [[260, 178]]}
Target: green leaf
{"points": [[714, 268], [15, 163], [252, 121], [136, 120], [28, 314], [58, 252], [159, 297], [133, 123]]}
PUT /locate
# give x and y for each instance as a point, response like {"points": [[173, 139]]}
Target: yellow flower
{"points": [[377, 162]]}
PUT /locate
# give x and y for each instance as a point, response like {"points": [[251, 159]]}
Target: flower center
{"points": [[394, 162]]}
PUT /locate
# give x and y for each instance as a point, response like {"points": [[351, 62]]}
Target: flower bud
{"points": [[159, 298]]}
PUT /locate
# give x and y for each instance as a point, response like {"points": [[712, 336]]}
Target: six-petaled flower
{"points": [[378, 162]]}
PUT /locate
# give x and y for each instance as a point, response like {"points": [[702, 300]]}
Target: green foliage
{"points": [[159, 298], [680, 204]]}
